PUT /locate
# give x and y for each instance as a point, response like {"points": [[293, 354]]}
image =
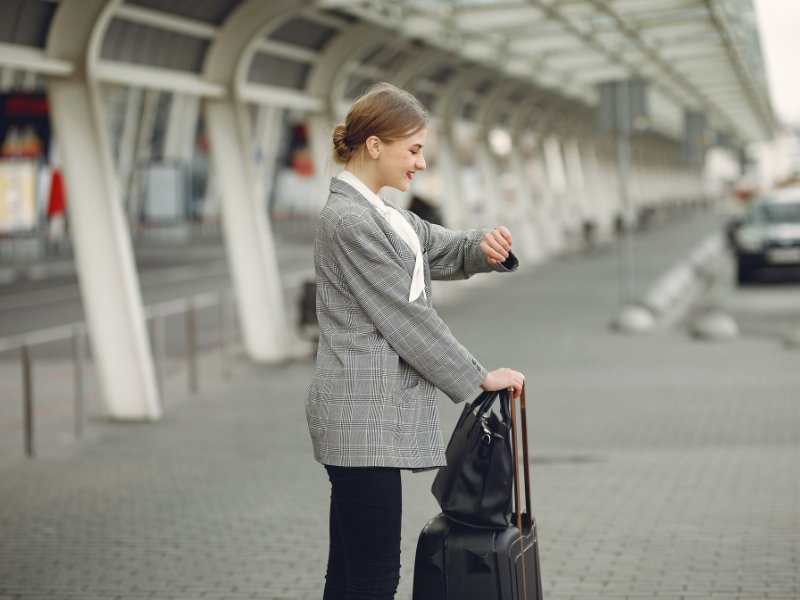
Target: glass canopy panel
{"points": [[209, 11], [145, 45], [357, 85], [305, 33], [280, 72], [25, 22]]}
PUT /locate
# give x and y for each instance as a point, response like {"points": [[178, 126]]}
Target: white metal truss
{"points": [[696, 54], [691, 51]]}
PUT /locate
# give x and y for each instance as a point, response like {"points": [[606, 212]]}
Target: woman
{"points": [[383, 350]]}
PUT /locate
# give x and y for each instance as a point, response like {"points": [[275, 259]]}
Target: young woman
{"points": [[383, 350]]}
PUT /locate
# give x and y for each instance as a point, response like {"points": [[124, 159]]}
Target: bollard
{"points": [[159, 350], [78, 357], [191, 345], [224, 317], [27, 399]]}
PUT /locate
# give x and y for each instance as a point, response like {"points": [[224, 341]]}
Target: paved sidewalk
{"points": [[662, 467]]}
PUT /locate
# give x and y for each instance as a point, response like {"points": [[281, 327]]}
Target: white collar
{"points": [[401, 227], [362, 189]]}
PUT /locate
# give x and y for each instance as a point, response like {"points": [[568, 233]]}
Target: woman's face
{"points": [[399, 160]]}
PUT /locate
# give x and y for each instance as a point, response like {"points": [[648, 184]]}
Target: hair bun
{"points": [[341, 148]]}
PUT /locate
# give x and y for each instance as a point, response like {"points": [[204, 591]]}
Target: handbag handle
{"points": [[485, 401]]}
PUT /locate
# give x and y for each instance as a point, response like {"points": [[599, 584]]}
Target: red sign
{"points": [[26, 106]]}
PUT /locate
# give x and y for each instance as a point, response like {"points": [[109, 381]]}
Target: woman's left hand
{"points": [[496, 245]]}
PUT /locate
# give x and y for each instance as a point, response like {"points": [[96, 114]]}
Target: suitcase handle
{"points": [[526, 471], [525, 460]]}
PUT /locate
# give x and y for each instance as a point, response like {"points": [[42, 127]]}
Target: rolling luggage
{"points": [[459, 562]]}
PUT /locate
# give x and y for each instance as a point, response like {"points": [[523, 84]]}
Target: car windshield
{"points": [[776, 213]]}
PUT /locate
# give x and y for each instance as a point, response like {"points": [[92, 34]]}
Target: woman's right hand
{"points": [[502, 379]]}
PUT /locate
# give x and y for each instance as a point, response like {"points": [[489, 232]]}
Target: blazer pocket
{"points": [[409, 396]]}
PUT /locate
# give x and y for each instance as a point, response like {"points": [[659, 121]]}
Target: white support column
{"points": [[555, 214], [450, 171], [179, 141], [447, 154], [498, 210], [127, 142], [143, 152], [250, 246], [528, 238], [594, 191], [576, 183], [491, 216], [248, 237], [101, 241], [320, 144], [549, 235], [267, 133], [528, 199]]}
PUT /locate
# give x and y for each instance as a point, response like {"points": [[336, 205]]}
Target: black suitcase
{"points": [[458, 562]]}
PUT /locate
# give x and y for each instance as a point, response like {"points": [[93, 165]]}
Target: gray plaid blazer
{"points": [[372, 402]]}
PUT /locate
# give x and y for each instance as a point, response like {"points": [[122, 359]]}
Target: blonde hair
{"points": [[384, 111]]}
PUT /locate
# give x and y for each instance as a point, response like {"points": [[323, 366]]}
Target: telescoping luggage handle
{"points": [[526, 471]]}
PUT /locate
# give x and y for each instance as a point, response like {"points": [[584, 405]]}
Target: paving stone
{"points": [[661, 468]]}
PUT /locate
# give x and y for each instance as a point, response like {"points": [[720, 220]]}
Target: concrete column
{"points": [[576, 181], [104, 256], [594, 190], [250, 246], [555, 213], [550, 236], [248, 237], [450, 171], [179, 141], [101, 241], [127, 143], [320, 128], [523, 224], [528, 196], [492, 192], [143, 152], [267, 134]]}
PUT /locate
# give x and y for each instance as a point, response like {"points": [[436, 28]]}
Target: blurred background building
{"points": [[133, 122]]}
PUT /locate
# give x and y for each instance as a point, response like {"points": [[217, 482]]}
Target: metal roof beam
{"points": [[666, 67], [759, 105], [25, 58], [162, 20]]}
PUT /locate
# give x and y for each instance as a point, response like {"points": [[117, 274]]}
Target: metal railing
{"points": [[156, 315]]}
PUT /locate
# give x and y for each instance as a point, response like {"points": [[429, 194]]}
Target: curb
{"points": [[671, 296]]}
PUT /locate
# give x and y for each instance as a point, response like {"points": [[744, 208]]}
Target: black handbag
{"points": [[476, 485]]}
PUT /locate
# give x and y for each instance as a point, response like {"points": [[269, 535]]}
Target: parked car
{"points": [[768, 236]]}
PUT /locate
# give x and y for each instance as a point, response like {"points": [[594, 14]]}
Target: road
{"points": [[166, 272]]}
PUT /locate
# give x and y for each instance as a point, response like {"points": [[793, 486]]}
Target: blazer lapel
{"points": [[341, 187]]}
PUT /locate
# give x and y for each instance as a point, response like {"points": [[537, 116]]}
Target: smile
{"points": [[408, 174]]}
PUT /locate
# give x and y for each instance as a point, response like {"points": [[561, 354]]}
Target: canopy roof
{"points": [[700, 55]]}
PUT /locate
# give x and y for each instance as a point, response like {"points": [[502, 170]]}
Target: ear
{"points": [[373, 146]]}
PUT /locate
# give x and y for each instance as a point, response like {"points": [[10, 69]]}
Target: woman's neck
{"points": [[367, 176]]}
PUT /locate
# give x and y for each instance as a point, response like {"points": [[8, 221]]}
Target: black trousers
{"points": [[366, 512]]}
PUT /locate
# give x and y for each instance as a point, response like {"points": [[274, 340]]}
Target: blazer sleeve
{"points": [[380, 283], [456, 255]]}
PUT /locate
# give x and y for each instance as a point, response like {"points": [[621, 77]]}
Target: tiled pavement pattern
{"points": [[662, 467]]}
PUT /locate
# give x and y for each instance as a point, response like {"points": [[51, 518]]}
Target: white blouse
{"points": [[401, 227]]}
